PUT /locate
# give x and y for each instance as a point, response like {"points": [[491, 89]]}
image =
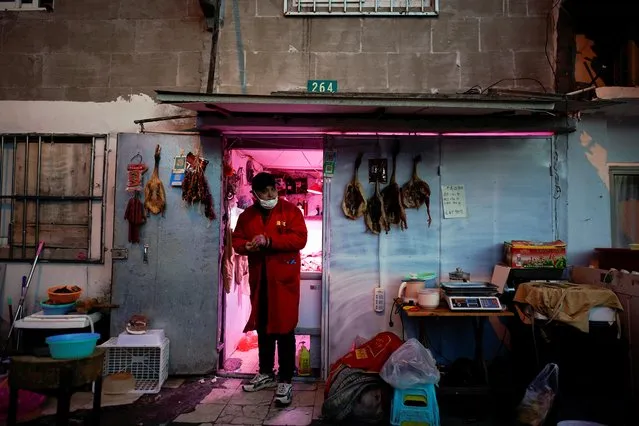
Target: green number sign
{"points": [[322, 86]]}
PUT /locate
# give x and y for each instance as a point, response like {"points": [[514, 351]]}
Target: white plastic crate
{"points": [[149, 365]]}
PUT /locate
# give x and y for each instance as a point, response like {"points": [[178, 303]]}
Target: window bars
{"points": [[361, 8]]}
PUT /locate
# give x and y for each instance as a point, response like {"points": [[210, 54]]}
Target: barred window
{"points": [[361, 7]]}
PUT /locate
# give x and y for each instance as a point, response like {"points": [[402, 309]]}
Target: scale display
{"points": [[473, 303]]}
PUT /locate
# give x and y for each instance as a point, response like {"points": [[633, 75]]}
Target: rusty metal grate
{"points": [[361, 7]]}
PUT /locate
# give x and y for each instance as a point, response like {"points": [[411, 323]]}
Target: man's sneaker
{"points": [[284, 394], [259, 382]]}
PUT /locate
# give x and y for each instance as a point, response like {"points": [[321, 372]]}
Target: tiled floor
{"points": [[208, 400], [228, 404]]}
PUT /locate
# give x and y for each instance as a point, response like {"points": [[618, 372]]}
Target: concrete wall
{"points": [[471, 43], [94, 50], [508, 196], [77, 117], [598, 142]]}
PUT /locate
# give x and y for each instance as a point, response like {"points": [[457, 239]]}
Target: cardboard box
{"points": [[530, 254]]}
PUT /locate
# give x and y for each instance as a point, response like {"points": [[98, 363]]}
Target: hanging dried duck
{"points": [[195, 188], [375, 217], [134, 214], [354, 202], [392, 195], [154, 194], [416, 192]]}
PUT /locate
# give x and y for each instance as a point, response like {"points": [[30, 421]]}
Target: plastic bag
{"points": [[412, 364], [539, 397], [359, 342]]}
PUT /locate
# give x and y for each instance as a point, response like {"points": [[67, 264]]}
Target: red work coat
{"points": [[286, 229]]}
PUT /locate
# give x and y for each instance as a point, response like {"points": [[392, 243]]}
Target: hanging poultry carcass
{"points": [[154, 193], [354, 202], [416, 191], [375, 216], [195, 188], [392, 195]]}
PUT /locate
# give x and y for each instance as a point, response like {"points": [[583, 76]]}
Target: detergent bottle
{"points": [[304, 361]]}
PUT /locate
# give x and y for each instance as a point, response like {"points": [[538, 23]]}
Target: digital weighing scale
{"points": [[471, 296]]}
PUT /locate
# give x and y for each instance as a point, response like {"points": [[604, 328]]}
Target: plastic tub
{"points": [[428, 298], [56, 309], [431, 280], [72, 346]]}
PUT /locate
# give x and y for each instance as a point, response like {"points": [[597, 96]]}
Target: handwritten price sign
{"points": [[454, 201]]}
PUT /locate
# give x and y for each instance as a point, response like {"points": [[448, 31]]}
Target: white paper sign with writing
{"points": [[454, 200]]}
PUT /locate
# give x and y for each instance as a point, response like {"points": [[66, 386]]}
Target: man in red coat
{"points": [[271, 233]]}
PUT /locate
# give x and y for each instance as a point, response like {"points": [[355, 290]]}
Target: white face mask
{"points": [[267, 204]]}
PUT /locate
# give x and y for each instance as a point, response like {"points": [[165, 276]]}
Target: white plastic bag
{"points": [[539, 397], [412, 364]]}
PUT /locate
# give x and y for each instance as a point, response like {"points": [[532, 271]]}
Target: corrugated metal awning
{"points": [[300, 112]]}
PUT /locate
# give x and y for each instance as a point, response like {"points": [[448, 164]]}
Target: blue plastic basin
{"points": [[72, 346], [56, 309]]}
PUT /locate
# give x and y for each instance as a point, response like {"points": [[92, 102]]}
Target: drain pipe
{"points": [[213, 12]]}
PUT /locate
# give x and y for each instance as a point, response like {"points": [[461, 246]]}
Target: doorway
{"points": [[299, 179]]}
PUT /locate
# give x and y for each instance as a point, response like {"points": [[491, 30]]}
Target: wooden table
{"points": [[478, 317], [58, 377]]}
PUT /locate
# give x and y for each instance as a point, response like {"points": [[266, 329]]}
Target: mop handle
{"points": [[25, 287], [40, 247]]}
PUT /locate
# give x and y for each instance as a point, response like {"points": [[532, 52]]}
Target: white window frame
{"points": [[19, 5], [629, 169], [372, 8]]}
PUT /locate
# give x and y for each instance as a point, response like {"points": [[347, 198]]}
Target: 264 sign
{"points": [[322, 86]]}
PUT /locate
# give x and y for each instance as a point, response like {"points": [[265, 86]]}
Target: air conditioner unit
{"points": [[26, 5]]}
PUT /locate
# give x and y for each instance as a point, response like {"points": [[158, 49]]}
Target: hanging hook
{"points": [[139, 156]]}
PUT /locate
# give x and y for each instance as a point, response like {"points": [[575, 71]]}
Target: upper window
{"points": [[52, 190], [26, 4], [624, 205], [361, 7]]}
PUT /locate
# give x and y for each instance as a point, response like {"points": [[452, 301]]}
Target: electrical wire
{"points": [[477, 90], [398, 309], [516, 80]]}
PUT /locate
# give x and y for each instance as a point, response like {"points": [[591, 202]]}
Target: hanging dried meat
{"points": [[228, 266], [416, 192], [354, 202], [154, 194], [134, 214], [392, 196], [375, 217], [195, 188]]}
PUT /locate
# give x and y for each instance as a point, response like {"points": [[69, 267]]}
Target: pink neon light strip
{"points": [[499, 134], [382, 133], [431, 134]]}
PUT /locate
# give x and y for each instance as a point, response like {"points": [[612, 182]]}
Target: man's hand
{"points": [[259, 241], [250, 247]]}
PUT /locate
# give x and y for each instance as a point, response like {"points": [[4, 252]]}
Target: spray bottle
{"points": [[304, 361]]}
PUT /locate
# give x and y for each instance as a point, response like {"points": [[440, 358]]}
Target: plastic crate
{"points": [[149, 365], [415, 407]]}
